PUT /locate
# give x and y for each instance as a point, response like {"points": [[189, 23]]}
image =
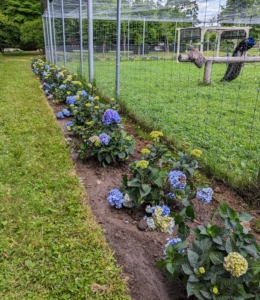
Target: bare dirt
{"points": [[136, 249]]}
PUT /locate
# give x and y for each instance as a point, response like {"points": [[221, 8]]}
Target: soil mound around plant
{"points": [[136, 248]]}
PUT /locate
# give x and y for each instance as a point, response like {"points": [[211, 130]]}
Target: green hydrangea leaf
{"points": [[193, 258], [206, 294], [193, 278], [244, 217], [217, 258], [187, 269]]}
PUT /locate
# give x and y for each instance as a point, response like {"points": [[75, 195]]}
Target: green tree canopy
{"points": [[21, 11], [32, 35], [9, 33]]}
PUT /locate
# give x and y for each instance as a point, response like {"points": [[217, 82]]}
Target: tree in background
{"points": [[21, 11], [9, 33], [21, 22], [32, 35]]}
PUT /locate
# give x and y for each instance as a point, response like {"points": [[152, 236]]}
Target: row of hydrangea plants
{"points": [[221, 262], [97, 125]]}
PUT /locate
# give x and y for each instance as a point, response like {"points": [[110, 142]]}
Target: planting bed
{"points": [[136, 248]]}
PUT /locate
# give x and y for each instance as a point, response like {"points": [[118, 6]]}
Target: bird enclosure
{"points": [[130, 50]]}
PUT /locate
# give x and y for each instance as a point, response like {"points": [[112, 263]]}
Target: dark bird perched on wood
{"points": [[195, 56], [234, 69]]}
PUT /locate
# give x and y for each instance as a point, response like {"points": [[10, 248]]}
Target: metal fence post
{"points": [[118, 38], [81, 39], [54, 35], [90, 42], [143, 35], [63, 33], [44, 35], [128, 37], [50, 32]]}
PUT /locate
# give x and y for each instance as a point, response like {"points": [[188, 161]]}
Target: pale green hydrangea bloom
{"points": [[236, 264], [143, 164]]}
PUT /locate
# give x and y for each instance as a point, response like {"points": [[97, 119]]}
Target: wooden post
{"points": [[207, 71], [220, 60]]}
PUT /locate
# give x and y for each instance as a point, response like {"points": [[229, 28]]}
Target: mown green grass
{"points": [[50, 246], [221, 118]]}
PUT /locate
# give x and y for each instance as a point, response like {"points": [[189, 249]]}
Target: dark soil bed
{"points": [[136, 248]]}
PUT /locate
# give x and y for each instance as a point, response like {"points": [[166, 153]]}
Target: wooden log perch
{"points": [[220, 60]]}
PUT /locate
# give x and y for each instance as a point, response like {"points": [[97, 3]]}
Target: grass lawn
{"points": [[50, 246], [222, 118]]}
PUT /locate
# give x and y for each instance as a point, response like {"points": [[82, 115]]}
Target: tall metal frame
{"points": [[54, 36], [63, 33], [118, 38], [50, 32], [90, 42]]}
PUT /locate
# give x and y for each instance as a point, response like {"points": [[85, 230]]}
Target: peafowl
{"points": [[234, 69], [196, 57]]}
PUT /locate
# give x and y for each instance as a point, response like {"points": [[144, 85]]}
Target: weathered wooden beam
{"points": [[226, 59], [220, 60]]}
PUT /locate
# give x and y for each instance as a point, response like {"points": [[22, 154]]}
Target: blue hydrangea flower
{"points": [[60, 115], [171, 195], [47, 92], [104, 139], [69, 125], [90, 98], [111, 116], [177, 179], [66, 112], [47, 67], [115, 198], [46, 85], [53, 85], [84, 93], [205, 195], [165, 210], [71, 100], [62, 86], [171, 243]]}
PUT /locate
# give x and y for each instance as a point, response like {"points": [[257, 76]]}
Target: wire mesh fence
{"points": [[221, 118]]}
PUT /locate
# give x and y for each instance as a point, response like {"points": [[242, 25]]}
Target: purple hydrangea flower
{"points": [[205, 195], [111, 116], [71, 100], [177, 179], [62, 86], [66, 112], [60, 115], [69, 125], [171, 243], [165, 210], [104, 139], [116, 198]]}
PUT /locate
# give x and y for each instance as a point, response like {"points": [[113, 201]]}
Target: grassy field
{"points": [[50, 246], [222, 118]]}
